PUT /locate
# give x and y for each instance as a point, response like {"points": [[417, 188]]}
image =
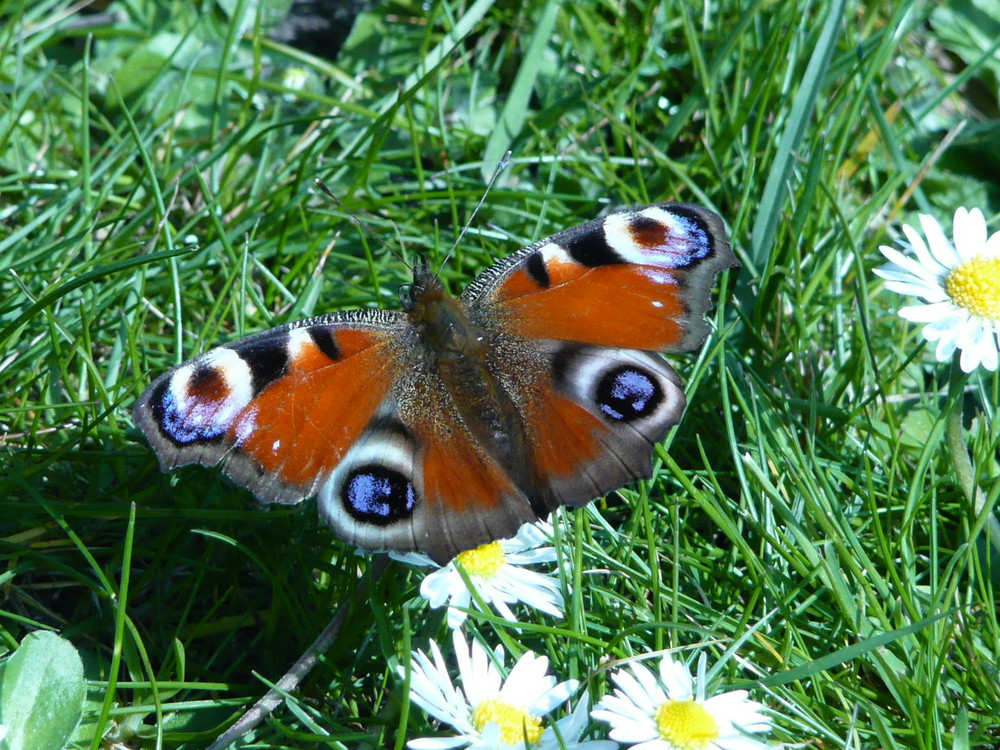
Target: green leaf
{"points": [[776, 191], [41, 693], [515, 111]]}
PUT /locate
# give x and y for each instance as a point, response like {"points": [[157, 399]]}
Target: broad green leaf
{"points": [[41, 693]]}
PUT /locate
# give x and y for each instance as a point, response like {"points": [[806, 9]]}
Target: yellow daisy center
{"points": [[516, 726], [686, 725], [484, 561], [975, 285]]}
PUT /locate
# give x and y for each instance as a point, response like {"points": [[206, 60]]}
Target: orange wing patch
{"points": [[624, 305], [302, 424], [459, 478], [567, 437]]}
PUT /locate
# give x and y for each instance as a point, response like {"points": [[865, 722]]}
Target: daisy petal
{"points": [[914, 288], [992, 247], [638, 687], [909, 265], [656, 744], [926, 313], [945, 348], [437, 743], [991, 357], [676, 678], [924, 255], [969, 231], [970, 358], [941, 248], [558, 695], [632, 733]]}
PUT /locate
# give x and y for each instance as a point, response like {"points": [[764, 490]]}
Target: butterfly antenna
{"points": [[501, 165], [362, 224]]}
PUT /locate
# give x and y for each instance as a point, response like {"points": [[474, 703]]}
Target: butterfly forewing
{"points": [[638, 279]]}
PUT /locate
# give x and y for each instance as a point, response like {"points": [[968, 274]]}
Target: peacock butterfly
{"points": [[456, 420]]}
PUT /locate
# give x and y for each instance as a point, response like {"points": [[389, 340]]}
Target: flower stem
{"points": [[960, 455]]}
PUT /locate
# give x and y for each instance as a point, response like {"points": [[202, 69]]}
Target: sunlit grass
{"points": [[157, 197]]}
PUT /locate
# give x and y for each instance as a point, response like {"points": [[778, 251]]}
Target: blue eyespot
{"points": [[378, 495], [192, 425], [627, 393]]}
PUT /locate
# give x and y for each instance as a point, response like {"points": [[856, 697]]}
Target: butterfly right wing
{"points": [[583, 312]]}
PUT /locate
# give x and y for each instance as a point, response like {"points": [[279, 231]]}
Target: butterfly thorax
{"points": [[455, 351], [441, 321]]}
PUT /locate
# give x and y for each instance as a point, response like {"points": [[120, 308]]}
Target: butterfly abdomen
{"points": [[455, 352]]}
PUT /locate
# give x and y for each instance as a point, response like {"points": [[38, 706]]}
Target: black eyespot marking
{"points": [[535, 268], [267, 359], [378, 495], [591, 249], [644, 226], [325, 342], [627, 393]]}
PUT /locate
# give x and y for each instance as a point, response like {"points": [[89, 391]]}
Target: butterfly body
{"points": [[455, 421]]}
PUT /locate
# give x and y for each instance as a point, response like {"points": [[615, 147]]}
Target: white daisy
{"points": [[959, 283], [491, 713], [498, 573], [672, 713]]}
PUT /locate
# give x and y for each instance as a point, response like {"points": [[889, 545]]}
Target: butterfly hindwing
{"points": [[606, 409], [421, 485]]}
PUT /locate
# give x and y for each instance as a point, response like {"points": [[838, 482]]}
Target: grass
{"points": [[157, 197]]}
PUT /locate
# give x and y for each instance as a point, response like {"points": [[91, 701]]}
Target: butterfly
{"points": [[451, 423]]}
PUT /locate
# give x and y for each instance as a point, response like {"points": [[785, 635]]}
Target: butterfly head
{"points": [[425, 288], [440, 320]]}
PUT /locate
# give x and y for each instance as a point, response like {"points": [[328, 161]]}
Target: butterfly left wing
{"points": [[583, 311], [279, 409], [344, 406]]}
